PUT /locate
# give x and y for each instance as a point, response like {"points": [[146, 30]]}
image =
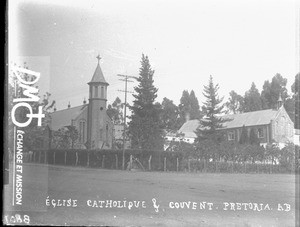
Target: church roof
{"points": [[98, 76], [64, 117], [189, 128], [261, 117]]}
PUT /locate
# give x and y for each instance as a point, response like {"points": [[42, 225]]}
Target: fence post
{"points": [[204, 167], [177, 164], [149, 162], [189, 165], [65, 157], [130, 163], [216, 166], [40, 156], [88, 159], [117, 161], [45, 158], [165, 164], [103, 161], [76, 162], [244, 167], [54, 157]]}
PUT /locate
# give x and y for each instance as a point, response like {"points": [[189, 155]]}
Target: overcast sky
{"points": [[237, 42]]}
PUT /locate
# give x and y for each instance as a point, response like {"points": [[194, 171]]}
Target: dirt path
{"points": [[206, 198]]}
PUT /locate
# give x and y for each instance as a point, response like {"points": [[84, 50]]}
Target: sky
{"points": [[236, 41]]}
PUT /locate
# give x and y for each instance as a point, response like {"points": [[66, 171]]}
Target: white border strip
{"points": [[14, 167]]}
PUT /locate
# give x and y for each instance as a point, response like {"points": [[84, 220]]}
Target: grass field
{"points": [[167, 188]]}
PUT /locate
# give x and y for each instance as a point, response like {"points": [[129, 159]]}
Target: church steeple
{"points": [[98, 74], [96, 124]]}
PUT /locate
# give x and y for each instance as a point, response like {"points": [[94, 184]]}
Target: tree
{"points": [[296, 98], [169, 115], [145, 127], [195, 108], [272, 90], [211, 122], [114, 111], [235, 103], [184, 108], [65, 137], [244, 136], [189, 108], [252, 101]]}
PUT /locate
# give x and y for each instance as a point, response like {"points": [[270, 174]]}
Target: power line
{"points": [[126, 79]]}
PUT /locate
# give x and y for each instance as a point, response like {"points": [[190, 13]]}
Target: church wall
{"points": [[283, 128], [81, 125]]}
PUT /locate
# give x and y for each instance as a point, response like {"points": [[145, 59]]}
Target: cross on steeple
{"points": [[98, 57]]}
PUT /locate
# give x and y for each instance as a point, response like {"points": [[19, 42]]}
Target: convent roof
{"points": [[261, 117]]}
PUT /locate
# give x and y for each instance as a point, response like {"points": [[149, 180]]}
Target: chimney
{"points": [[69, 105], [84, 101]]}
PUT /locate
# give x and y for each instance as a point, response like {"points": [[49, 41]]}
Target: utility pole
{"points": [[124, 122]]}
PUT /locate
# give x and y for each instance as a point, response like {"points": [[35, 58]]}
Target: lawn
{"points": [[103, 197]]}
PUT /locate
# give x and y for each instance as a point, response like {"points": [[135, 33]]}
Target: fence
{"points": [[149, 161]]}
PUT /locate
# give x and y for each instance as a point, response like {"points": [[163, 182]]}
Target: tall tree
{"points": [[169, 115], [272, 90], [235, 103], [145, 127], [252, 101], [195, 108], [212, 108], [189, 108], [184, 108], [114, 111], [296, 98]]}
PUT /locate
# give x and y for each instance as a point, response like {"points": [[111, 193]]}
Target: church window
{"points": [[231, 135], [81, 131], [282, 125], [102, 92], [260, 133], [96, 91]]}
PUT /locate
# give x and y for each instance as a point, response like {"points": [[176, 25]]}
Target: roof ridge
{"points": [[70, 108]]}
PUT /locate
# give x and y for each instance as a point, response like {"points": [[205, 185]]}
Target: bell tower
{"points": [[96, 122]]}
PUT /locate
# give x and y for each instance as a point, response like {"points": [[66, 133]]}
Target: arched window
{"points": [[283, 125], [82, 131], [96, 91], [102, 92]]}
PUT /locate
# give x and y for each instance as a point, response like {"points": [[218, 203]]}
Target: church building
{"points": [[270, 125], [94, 126]]}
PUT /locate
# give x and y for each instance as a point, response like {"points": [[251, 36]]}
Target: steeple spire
{"points": [[99, 58], [98, 75]]}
